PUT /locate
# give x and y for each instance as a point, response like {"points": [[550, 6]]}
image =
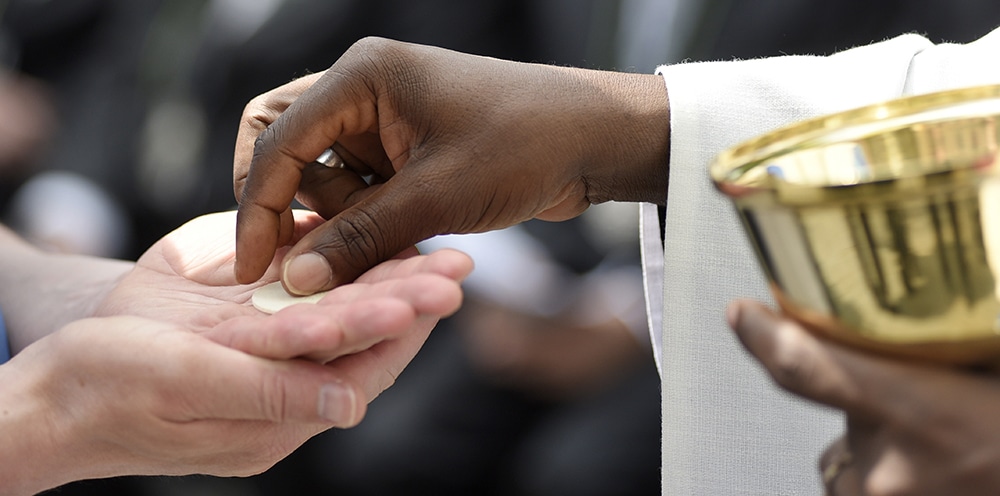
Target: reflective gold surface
{"points": [[880, 226]]}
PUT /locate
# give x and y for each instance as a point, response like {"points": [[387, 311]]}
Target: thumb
{"points": [[860, 383], [398, 215], [255, 388]]}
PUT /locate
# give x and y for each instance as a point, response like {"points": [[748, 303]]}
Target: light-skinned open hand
{"points": [[176, 373]]}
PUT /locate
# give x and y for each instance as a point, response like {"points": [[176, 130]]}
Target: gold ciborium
{"points": [[880, 227]]}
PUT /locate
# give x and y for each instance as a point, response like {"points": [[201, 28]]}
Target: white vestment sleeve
{"points": [[727, 430]]}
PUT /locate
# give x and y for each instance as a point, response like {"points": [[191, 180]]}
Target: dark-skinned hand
{"points": [[448, 142]]}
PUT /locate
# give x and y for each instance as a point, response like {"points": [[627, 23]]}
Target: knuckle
{"points": [[273, 398], [380, 58], [254, 109], [258, 114], [372, 46], [272, 142]]}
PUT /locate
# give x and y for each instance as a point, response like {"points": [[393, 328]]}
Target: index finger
{"points": [[329, 107], [857, 382], [258, 114]]}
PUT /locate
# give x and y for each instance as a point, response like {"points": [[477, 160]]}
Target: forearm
{"points": [[41, 292]]}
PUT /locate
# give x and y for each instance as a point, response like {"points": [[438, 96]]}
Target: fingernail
{"points": [[337, 404], [732, 314], [307, 273]]}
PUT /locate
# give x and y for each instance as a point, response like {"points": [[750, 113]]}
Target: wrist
{"points": [[46, 291], [629, 148]]}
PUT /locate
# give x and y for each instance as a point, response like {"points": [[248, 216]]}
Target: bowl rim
{"points": [[730, 166]]}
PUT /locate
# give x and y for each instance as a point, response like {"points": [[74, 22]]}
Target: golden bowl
{"points": [[880, 227]]}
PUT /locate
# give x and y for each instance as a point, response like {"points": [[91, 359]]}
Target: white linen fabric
{"points": [[727, 430]]}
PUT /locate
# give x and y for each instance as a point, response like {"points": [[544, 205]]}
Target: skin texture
{"points": [[453, 143], [174, 372], [912, 428]]}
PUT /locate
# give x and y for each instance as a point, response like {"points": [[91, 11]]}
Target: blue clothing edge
{"points": [[4, 346]]}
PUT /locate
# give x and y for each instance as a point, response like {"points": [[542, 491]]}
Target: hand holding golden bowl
{"points": [[880, 227]]}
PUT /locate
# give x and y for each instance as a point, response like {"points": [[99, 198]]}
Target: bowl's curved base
{"points": [[984, 351]]}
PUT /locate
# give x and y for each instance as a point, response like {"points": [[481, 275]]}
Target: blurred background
{"points": [[117, 124]]}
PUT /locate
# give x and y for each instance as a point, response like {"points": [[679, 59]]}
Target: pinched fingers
{"points": [[270, 212], [286, 130], [395, 216], [271, 215]]}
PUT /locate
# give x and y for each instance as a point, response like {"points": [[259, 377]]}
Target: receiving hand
{"points": [[913, 429], [453, 143], [381, 320], [182, 375]]}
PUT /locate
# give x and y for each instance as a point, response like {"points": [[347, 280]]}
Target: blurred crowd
{"points": [[118, 124]]}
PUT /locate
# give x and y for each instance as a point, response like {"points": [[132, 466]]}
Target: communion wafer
{"points": [[273, 297]]}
